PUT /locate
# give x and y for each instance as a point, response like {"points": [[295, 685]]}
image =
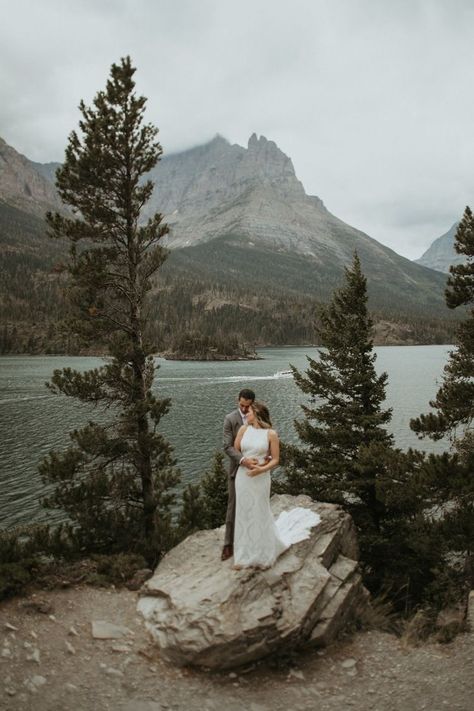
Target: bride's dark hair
{"points": [[262, 414]]}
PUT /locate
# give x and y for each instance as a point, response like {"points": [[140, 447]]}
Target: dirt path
{"points": [[49, 661]]}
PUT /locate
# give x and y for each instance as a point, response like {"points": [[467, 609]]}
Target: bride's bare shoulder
{"points": [[272, 433]]}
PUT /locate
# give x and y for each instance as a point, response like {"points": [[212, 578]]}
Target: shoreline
{"points": [[220, 359]]}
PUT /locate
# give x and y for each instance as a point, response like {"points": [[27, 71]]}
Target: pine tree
{"points": [[204, 505], [214, 491], [452, 475], [454, 402], [115, 480], [347, 456], [343, 431], [192, 511]]}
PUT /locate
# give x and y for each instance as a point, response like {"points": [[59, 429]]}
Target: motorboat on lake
{"points": [[283, 374]]}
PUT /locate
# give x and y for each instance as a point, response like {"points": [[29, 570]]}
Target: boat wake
{"points": [[22, 399]]}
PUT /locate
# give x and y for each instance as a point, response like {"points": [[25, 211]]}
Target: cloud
{"points": [[371, 99]]}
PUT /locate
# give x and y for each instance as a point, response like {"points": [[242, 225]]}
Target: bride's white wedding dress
{"points": [[258, 538]]}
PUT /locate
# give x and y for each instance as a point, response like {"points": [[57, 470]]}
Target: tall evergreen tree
{"points": [[347, 456], [343, 431], [115, 479], [452, 475], [454, 402]]}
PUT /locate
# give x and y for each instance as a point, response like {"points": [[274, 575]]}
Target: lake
{"points": [[33, 420]]}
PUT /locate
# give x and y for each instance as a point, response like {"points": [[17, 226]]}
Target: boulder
{"points": [[202, 612]]}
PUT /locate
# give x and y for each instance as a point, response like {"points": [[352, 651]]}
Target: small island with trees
{"points": [[200, 346]]}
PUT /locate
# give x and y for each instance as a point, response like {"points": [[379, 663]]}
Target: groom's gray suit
{"points": [[232, 423]]}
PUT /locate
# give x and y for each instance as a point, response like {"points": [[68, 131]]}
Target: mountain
{"points": [[25, 184], [241, 214], [251, 255], [441, 254]]}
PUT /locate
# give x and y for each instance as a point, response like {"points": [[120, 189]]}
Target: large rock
{"points": [[202, 612]]}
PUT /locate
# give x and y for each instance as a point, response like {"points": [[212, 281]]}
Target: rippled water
{"points": [[33, 421]]}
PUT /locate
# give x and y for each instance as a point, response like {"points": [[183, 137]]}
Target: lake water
{"points": [[33, 421]]}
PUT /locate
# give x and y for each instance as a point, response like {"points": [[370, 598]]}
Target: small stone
{"points": [[52, 618], [348, 663], [139, 578], [33, 634], [34, 656], [232, 675], [38, 680], [71, 687], [107, 630], [10, 691], [470, 611], [35, 682], [6, 653], [110, 671], [72, 631], [11, 627], [70, 648], [120, 648], [37, 606], [296, 673]]}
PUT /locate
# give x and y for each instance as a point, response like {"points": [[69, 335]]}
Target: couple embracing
{"points": [[251, 533]]}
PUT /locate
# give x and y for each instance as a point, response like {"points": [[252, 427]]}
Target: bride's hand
{"points": [[254, 471]]}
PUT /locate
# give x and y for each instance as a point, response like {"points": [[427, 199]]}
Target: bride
{"points": [[256, 542], [259, 539]]}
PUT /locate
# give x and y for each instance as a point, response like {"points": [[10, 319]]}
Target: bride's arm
{"points": [[274, 454], [238, 438]]}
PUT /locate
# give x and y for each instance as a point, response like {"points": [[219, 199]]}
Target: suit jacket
{"points": [[232, 424]]}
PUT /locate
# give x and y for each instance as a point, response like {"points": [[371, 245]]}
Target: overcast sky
{"points": [[372, 99]]}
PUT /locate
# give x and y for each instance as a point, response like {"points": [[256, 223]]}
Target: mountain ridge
{"points": [[441, 254], [23, 184], [241, 227]]}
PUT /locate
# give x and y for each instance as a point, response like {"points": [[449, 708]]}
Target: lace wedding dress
{"points": [[258, 538]]}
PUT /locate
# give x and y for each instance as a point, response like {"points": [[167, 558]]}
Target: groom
{"points": [[232, 423]]}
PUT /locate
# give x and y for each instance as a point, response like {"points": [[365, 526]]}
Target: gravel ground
{"points": [[49, 661]]}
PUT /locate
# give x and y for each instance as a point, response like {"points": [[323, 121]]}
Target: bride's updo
{"points": [[262, 414]]}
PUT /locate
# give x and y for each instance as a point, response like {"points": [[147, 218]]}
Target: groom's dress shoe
{"points": [[227, 552]]}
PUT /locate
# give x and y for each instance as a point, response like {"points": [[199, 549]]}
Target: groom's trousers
{"points": [[230, 516]]}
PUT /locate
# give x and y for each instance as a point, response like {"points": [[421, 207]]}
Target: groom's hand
{"points": [[249, 462]]}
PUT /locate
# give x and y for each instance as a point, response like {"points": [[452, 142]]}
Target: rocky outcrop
{"points": [[202, 612], [441, 254], [23, 185]]}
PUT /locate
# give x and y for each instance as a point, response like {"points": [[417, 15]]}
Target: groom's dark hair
{"points": [[247, 394]]}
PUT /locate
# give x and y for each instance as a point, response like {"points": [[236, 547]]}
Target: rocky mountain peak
{"points": [[218, 173], [219, 140], [22, 185], [272, 162], [441, 254]]}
